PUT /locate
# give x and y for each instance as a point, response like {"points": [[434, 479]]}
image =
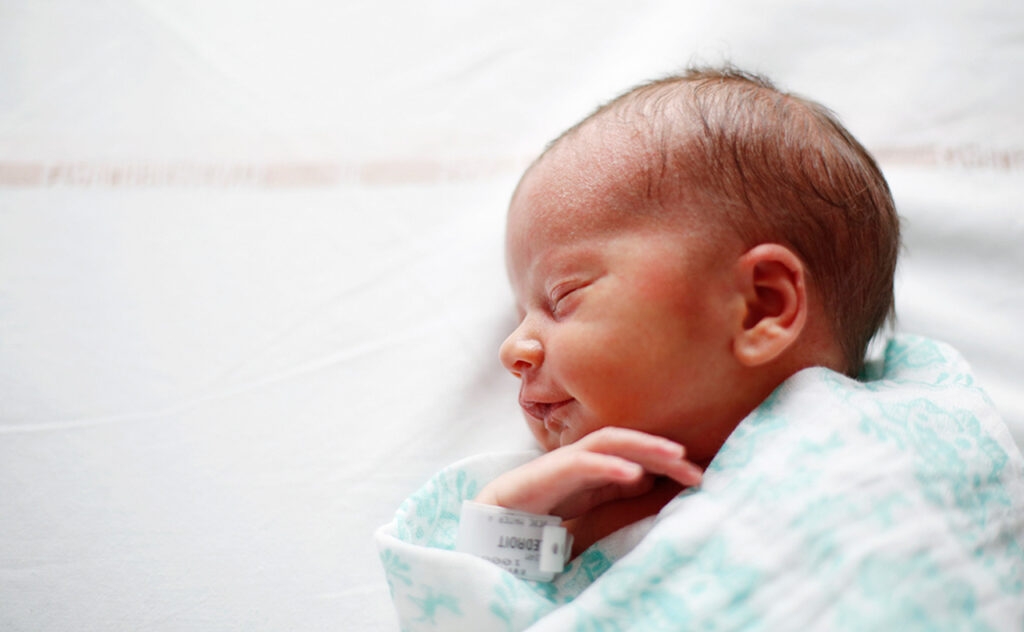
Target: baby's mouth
{"points": [[544, 412]]}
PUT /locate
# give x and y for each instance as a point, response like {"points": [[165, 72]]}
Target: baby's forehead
{"points": [[557, 223], [605, 175], [612, 163], [644, 157], [626, 142]]}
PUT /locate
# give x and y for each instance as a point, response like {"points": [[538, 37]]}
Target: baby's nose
{"points": [[521, 353]]}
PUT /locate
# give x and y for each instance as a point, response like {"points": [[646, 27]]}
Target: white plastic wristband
{"points": [[527, 545]]}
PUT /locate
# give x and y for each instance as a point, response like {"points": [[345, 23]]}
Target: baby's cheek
{"points": [[585, 356], [600, 373]]}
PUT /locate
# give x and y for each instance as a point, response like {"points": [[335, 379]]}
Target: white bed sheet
{"points": [[251, 282]]}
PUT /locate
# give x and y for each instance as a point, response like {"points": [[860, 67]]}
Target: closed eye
{"points": [[562, 296]]}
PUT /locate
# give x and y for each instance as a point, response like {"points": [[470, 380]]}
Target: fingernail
{"points": [[695, 472]]}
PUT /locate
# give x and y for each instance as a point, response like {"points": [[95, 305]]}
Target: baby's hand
{"points": [[607, 465]]}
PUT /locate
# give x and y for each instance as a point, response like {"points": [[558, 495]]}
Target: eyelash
{"points": [[558, 295]]}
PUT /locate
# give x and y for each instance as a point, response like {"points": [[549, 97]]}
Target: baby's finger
{"points": [[624, 441], [683, 472], [586, 500], [655, 454], [548, 482]]}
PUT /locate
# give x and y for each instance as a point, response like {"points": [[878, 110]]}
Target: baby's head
{"points": [[685, 249]]}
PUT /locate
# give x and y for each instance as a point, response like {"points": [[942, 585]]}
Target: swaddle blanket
{"points": [[892, 503]]}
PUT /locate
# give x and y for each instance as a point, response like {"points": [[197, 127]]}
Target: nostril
{"points": [[520, 367], [530, 355]]}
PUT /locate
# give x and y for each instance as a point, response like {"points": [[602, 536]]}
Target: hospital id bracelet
{"points": [[527, 545]]}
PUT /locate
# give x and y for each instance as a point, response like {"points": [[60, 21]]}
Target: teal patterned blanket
{"points": [[892, 503]]}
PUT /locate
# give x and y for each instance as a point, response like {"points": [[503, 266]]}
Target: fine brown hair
{"points": [[774, 167]]}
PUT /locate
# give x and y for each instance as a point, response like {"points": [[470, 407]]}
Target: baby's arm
{"points": [[583, 479]]}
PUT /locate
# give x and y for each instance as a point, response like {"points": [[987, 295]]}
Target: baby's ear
{"points": [[773, 283]]}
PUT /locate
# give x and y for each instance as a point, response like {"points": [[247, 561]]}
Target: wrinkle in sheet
{"points": [[215, 60], [325, 311], [322, 363], [73, 79]]}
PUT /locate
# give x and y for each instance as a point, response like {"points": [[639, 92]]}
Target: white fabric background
{"points": [[251, 281]]}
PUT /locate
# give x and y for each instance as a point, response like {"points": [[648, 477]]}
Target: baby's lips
{"points": [[540, 409]]}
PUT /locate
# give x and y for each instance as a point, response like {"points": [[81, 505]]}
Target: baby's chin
{"points": [[559, 438], [548, 440]]}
